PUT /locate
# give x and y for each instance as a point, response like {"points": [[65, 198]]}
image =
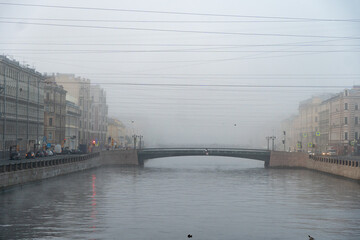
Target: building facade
{"points": [[100, 113], [93, 110], [340, 121], [72, 123], [79, 88], [327, 122], [117, 134], [22, 107], [55, 112]]}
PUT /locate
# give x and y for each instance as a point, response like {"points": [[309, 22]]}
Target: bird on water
{"points": [[189, 236], [311, 238]]}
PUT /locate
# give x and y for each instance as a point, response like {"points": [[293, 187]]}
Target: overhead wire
{"points": [[178, 13], [183, 31], [157, 21], [52, 51], [214, 85], [299, 44]]}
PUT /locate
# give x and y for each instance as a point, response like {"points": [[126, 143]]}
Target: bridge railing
{"points": [[204, 149]]}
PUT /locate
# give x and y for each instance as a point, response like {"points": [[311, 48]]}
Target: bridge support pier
{"points": [[266, 163]]}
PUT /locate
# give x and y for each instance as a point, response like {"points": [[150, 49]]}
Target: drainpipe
{"points": [[4, 114], [27, 113], [38, 108], [16, 109]]}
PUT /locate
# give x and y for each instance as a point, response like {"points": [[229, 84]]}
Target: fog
{"points": [[193, 72]]}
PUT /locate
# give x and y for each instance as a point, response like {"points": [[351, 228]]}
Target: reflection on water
{"points": [[211, 198], [93, 202]]}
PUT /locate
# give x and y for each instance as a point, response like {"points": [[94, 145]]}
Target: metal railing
{"points": [[337, 160], [17, 165]]}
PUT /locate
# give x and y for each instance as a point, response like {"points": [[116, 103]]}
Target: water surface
{"points": [[209, 197]]}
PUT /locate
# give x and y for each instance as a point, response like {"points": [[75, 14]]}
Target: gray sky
{"points": [[189, 47]]}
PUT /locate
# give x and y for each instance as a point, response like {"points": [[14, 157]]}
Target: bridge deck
{"points": [[257, 154]]}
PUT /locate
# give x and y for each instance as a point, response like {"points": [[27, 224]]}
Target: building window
{"points": [[50, 122], [345, 120], [356, 120], [356, 135], [316, 119], [346, 106], [345, 136], [50, 136], [356, 107]]}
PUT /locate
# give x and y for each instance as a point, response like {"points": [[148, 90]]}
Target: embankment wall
{"points": [[333, 165], [119, 157], [20, 172]]}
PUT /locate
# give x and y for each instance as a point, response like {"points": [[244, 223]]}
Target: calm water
{"points": [[211, 198]]}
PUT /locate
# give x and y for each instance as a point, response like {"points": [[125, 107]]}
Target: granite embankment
{"points": [[340, 166], [23, 171]]}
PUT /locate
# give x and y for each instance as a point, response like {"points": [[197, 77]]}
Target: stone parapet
{"points": [[337, 166], [119, 157], [20, 172]]}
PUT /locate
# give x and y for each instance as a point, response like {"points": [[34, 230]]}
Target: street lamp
{"points": [[140, 145], [268, 138], [283, 141], [135, 137]]}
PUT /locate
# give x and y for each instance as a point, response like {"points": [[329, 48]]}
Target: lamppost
{"points": [[140, 145], [135, 138], [284, 140], [268, 139], [273, 139]]}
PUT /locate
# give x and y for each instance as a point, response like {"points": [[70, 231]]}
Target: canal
{"points": [[211, 198]]}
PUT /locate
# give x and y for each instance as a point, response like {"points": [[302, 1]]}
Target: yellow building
{"points": [[117, 134]]}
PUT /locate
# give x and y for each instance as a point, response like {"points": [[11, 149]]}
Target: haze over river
{"points": [[211, 198]]}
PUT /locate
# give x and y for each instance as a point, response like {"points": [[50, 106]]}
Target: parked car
{"points": [[40, 153], [76, 151], [15, 156], [57, 149], [49, 153], [45, 153], [66, 151], [331, 152], [29, 155]]}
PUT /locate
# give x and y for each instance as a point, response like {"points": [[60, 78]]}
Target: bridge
{"points": [[256, 154]]}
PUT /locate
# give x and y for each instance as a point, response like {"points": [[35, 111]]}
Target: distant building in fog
{"points": [[323, 123], [79, 88], [93, 110], [72, 123], [55, 112], [100, 113], [117, 134]]}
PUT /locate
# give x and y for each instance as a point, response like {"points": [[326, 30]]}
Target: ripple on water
{"points": [[212, 198]]}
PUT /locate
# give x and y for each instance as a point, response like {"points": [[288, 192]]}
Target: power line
{"points": [[156, 21], [300, 44], [184, 31], [228, 74], [180, 13], [214, 85], [220, 77], [85, 51]]}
